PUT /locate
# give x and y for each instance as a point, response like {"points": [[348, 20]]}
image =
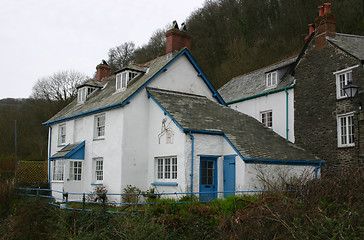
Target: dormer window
{"points": [[123, 78], [83, 92], [271, 79]]}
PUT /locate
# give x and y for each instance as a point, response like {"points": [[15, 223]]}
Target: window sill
{"points": [[99, 139], [57, 181], [346, 146], [97, 184], [164, 184]]}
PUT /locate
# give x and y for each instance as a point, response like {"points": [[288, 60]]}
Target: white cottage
{"points": [[162, 125], [264, 95]]}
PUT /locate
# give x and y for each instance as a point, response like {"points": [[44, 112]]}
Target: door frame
{"points": [[210, 194]]}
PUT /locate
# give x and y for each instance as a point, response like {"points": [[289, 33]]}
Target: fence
{"points": [[32, 172], [132, 202]]}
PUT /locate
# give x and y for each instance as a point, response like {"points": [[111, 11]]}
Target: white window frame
{"points": [[62, 134], [75, 170], [342, 78], [166, 168], [99, 126], [123, 78], [264, 118], [345, 130], [271, 79], [98, 170], [58, 171], [81, 94]]}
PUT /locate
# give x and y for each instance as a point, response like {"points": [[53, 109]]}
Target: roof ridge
{"points": [[348, 35], [174, 92], [256, 70]]}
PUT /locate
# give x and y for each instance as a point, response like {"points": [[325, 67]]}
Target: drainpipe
{"points": [[287, 128], [49, 155], [316, 170], [192, 152]]}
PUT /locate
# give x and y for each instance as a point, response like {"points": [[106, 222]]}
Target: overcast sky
{"points": [[41, 37]]}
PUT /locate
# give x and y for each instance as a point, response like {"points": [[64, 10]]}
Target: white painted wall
{"points": [[254, 173], [275, 102], [158, 147], [182, 76], [82, 129]]}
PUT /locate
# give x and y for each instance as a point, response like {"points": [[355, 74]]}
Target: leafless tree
{"points": [[60, 86], [121, 56]]}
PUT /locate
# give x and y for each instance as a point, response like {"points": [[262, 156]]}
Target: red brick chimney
{"points": [[177, 39], [325, 25], [102, 71]]}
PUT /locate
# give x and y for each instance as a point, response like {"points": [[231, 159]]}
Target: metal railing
{"points": [[108, 201]]}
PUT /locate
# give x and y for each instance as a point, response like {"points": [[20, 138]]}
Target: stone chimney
{"points": [[325, 25], [177, 38], [102, 71]]}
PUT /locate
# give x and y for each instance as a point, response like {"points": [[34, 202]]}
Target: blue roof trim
{"points": [[201, 74], [204, 131], [212, 156], [77, 153], [284, 162], [126, 101], [103, 109], [165, 112], [232, 145], [164, 184]]}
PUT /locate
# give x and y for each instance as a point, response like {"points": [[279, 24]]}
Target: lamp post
{"points": [[350, 89]]}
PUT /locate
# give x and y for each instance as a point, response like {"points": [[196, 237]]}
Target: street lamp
{"points": [[350, 89]]}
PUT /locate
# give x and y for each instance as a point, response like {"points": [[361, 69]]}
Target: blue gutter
{"points": [[49, 154], [127, 100], [260, 94], [284, 162], [316, 170], [192, 152], [287, 128]]}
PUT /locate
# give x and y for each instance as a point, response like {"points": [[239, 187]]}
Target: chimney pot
{"points": [[321, 11], [310, 28], [327, 8]]}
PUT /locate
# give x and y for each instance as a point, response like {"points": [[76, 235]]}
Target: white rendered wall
{"points": [[181, 76], [254, 173], [82, 129], [158, 147], [275, 102]]}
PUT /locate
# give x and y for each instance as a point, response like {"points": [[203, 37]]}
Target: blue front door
{"points": [[229, 175], [208, 178]]}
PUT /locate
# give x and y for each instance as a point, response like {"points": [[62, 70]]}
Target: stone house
{"points": [[320, 117], [163, 125]]}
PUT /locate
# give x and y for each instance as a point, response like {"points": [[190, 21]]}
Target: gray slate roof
{"points": [[253, 83], [64, 151], [351, 44], [251, 138], [107, 96]]}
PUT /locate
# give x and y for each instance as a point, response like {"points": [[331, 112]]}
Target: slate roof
{"points": [[253, 83], [107, 96], [67, 150], [251, 138], [351, 44]]}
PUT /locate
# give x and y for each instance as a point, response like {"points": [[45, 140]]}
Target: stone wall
{"points": [[316, 106]]}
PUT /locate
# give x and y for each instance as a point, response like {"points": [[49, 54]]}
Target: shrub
{"points": [[132, 194]]}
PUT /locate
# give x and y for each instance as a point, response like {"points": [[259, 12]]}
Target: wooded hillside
{"points": [[229, 38]]}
